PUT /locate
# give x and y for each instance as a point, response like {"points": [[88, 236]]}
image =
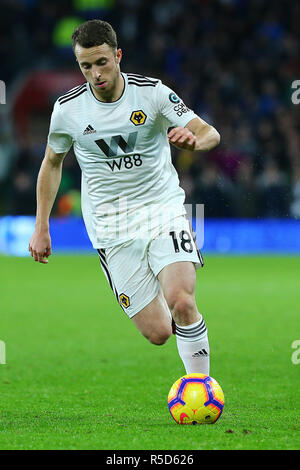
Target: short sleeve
{"points": [[58, 138], [172, 108]]}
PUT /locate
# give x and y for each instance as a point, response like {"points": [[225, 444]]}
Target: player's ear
{"points": [[118, 56]]}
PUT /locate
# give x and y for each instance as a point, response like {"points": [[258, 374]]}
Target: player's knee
{"points": [[159, 340], [183, 307], [161, 336]]}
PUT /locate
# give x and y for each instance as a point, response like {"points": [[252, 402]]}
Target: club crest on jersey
{"points": [[138, 117], [124, 300]]}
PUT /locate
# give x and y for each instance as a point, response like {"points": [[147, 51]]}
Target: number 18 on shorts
{"points": [[132, 267]]}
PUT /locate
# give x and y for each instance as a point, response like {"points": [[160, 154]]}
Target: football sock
{"points": [[193, 347]]}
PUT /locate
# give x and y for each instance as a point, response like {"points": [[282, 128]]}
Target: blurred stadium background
{"points": [[232, 61]]}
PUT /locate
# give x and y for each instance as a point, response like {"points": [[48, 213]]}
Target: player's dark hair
{"points": [[94, 33]]}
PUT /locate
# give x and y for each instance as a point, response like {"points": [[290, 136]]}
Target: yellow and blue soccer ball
{"points": [[196, 399]]}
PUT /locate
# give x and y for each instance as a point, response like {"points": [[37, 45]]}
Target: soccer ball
{"points": [[196, 399]]}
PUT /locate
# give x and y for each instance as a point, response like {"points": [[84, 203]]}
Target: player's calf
{"points": [[153, 321]]}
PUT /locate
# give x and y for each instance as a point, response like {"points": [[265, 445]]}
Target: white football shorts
{"points": [[131, 268]]}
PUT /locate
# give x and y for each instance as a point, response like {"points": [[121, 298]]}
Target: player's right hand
{"points": [[40, 246]]}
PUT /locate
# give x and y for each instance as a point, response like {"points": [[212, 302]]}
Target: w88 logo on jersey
{"points": [[118, 142], [128, 162]]}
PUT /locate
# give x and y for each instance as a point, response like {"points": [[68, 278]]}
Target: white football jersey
{"points": [[128, 179]]}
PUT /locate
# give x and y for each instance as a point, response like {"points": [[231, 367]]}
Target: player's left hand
{"points": [[182, 138]]}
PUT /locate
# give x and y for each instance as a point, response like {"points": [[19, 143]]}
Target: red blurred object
{"points": [[65, 205], [38, 92]]}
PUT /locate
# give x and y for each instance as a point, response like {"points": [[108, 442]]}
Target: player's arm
{"points": [[47, 187], [196, 135]]}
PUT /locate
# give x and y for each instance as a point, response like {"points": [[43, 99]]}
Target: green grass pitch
{"points": [[78, 375]]}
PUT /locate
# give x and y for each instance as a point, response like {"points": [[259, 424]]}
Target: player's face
{"points": [[100, 66]]}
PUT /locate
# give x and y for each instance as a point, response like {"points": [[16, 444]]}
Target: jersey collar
{"points": [[113, 103]]}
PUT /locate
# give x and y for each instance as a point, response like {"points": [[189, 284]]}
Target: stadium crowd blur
{"points": [[231, 61]]}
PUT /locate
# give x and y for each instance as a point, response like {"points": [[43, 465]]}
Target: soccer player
{"points": [[121, 126]]}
